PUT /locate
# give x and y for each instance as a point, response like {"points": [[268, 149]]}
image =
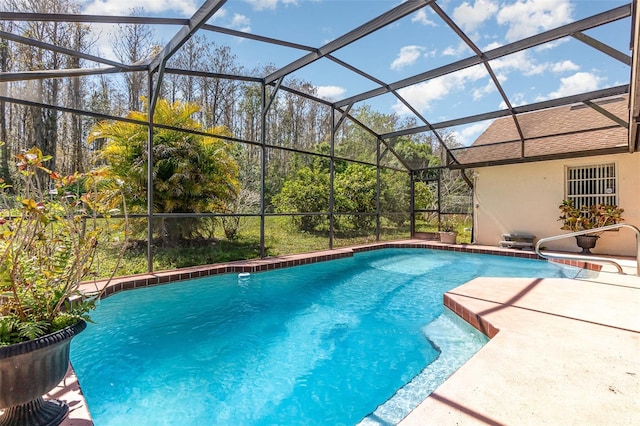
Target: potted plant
{"points": [[448, 233], [579, 219], [48, 246]]}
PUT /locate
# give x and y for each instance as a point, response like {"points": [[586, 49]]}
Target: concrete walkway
{"points": [[567, 352]]}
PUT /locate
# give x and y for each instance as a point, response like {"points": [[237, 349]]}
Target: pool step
{"points": [[457, 342]]}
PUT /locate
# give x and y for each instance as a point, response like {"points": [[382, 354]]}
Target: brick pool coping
{"points": [[69, 389], [270, 263]]}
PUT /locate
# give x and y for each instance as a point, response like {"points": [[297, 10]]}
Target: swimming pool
{"points": [[327, 343]]}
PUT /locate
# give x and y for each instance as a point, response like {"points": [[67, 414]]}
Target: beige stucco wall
{"points": [[525, 198]]}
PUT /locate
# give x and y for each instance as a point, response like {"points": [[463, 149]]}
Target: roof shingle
{"points": [[568, 129]]}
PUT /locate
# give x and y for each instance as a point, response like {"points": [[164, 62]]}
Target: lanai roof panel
{"points": [[550, 70]]}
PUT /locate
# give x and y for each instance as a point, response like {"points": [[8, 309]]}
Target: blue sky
{"points": [[415, 44]]}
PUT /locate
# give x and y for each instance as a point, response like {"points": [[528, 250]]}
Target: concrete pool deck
{"points": [[563, 351], [566, 352]]}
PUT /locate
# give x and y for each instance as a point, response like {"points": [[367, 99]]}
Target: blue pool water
{"points": [[327, 343]]}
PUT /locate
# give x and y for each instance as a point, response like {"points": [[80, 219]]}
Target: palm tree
{"points": [[192, 173]]}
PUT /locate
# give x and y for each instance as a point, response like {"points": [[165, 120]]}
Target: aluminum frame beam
{"points": [[536, 40], [534, 159], [199, 18], [607, 114], [634, 99], [90, 19], [209, 8], [207, 74], [456, 29], [256, 37], [604, 48], [373, 25], [537, 106], [142, 20], [52, 47], [486, 64], [72, 72]]}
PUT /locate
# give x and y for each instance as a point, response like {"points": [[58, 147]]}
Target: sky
{"points": [[417, 43]]}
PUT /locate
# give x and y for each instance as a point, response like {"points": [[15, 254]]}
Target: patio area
{"points": [[562, 350]]}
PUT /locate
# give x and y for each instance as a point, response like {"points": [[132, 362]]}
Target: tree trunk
{"points": [[4, 157]]}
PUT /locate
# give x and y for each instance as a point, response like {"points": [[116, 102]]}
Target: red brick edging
{"points": [[475, 320], [257, 265]]}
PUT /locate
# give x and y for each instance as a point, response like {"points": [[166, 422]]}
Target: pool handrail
{"points": [[566, 256]]}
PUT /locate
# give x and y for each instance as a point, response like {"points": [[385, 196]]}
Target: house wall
{"points": [[525, 198]]}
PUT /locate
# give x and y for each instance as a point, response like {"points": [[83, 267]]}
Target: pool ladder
{"points": [[565, 256]]}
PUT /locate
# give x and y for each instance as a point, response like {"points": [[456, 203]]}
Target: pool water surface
{"points": [[326, 343]]}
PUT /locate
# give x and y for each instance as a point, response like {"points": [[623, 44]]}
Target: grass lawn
{"points": [[281, 238]]}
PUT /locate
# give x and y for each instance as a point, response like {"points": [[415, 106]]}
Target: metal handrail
{"points": [[590, 258]]}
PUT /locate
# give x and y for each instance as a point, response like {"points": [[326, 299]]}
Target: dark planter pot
{"points": [[29, 370], [586, 242]]}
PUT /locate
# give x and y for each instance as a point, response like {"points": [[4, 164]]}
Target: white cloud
{"points": [[519, 61], [470, 133], [263, 4], [564, 66], [492, 45], [241, 23], [421, 95], [458, 50], [450, 51], [421, 17], [269, 4], [580, 82], [479, 93], [524, 63], [220, 14], [536, 69], [330, 93], [408, 56], [470, 17], [431, 53], [550, 45], [502, 78], [528, 17], [516, 100], [124, 7]]}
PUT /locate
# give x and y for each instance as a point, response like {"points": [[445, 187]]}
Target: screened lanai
{"points": [[325, 124]]}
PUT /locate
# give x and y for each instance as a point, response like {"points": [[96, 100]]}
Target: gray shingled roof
{"points": [[574, 129]]}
